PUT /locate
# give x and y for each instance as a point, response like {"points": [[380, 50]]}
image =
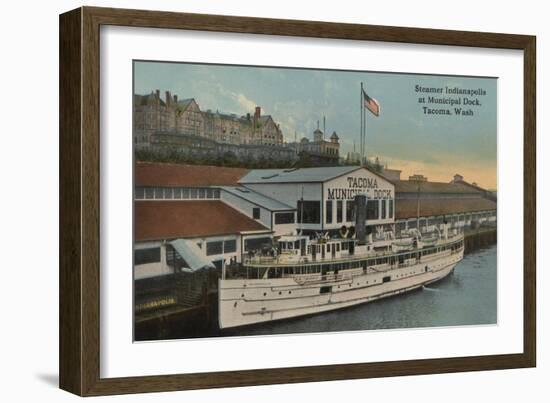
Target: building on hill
{"points": [[226, 128], [188, 118], [264, 130], [170, 116], [152, 115], [320, 151], [254, 129]]}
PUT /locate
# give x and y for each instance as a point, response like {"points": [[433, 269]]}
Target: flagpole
{"points": [[361, 108], [365, 134]]}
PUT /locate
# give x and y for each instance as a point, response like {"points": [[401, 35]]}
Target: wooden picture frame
{"points": [[80, 198]]}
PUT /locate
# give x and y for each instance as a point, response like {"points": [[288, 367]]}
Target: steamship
{"points": [[302, 275]]}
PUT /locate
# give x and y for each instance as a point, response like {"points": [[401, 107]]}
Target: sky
{"points": [[402, 137]]}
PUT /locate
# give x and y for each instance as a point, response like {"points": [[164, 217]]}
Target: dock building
{"points": [[189, 217]]}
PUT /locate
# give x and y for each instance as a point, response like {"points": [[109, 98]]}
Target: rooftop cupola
{"points": [[318, 135]]}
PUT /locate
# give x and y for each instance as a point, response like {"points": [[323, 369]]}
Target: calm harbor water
{"points": [[468, 296]]}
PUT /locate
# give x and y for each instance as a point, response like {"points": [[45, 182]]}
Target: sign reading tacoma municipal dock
{"points": [[359, 183]]}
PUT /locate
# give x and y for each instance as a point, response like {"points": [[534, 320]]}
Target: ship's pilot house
{"points": [[291, 248]]}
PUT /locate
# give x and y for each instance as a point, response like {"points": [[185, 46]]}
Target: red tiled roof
{"points": [[406, 208], [471, 185], [156, 220], [166, 174]]}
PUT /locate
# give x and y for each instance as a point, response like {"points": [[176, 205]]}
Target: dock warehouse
{"points": [[324, 197], [191, 217], [423, 204], [183, 202]]}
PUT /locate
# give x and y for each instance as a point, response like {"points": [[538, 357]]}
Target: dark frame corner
{"points": [[79, 200]]}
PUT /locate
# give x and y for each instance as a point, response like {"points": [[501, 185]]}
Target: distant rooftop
{"points": [[412, 186], [146, 99], [407, 208], [319, 174]]}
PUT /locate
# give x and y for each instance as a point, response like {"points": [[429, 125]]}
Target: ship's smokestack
{"points": [[360, 218]]}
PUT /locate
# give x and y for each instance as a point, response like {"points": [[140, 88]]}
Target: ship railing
{"points": [[260, 260], [327, 278], [283, 259]]}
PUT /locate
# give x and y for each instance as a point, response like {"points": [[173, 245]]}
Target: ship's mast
{"points": [[418, 206], [301, 210]]}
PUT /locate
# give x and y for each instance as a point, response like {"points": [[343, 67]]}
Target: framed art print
{"points": [[250, 201]]}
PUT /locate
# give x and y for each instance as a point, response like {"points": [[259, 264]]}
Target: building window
{"points": [[284, 218], [339, 210], [383, 209], [309, 212], [328, 211], [140, 193], [350, 210], [214, 248], [372, 209], [159, 193], [390, 214], [230, 246], [149, 193], [144, 256], [256, 243], [256, 213]]}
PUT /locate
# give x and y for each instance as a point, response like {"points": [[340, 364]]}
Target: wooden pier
{"points": [[479, 238]]}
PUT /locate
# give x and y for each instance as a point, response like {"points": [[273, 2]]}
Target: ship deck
{"points": [[268, 261]]}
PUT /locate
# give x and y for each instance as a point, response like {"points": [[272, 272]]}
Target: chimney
{"points": [[360, 218], [158, 94], [257, 112], [168, 98], [175, 99]]}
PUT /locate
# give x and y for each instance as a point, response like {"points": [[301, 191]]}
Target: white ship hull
{"points": [[250, 301]]}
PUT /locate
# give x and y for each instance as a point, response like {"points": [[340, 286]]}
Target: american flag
{"points": [[371, 104]]}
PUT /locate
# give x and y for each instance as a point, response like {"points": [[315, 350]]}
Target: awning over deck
{"points": [[192, 255]]}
